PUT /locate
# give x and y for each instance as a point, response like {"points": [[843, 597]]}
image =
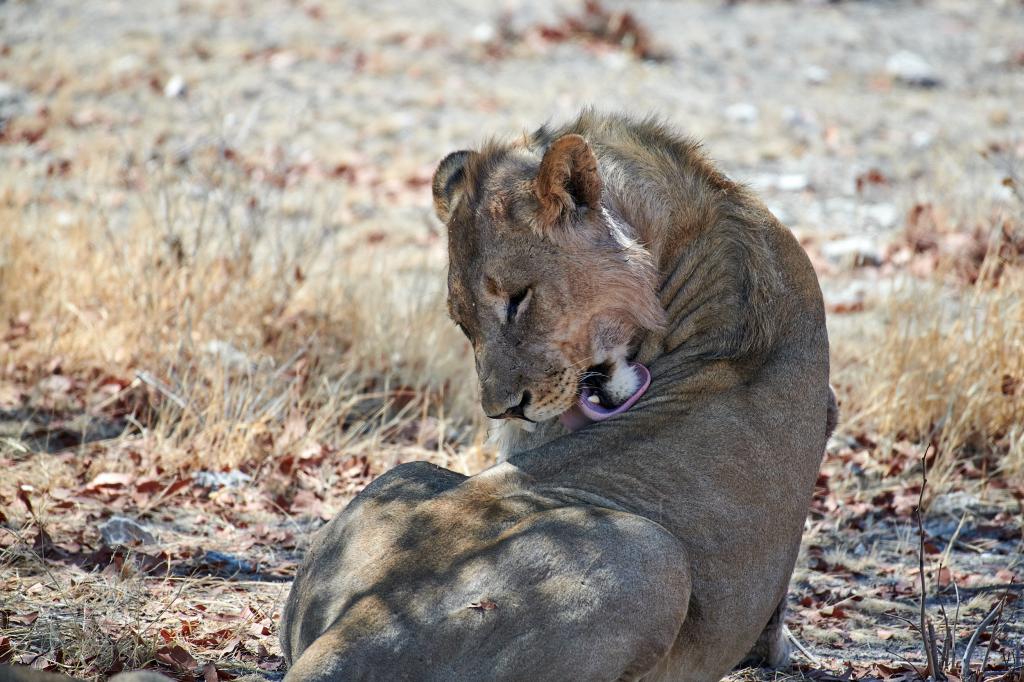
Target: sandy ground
{"points": [[845, 116]]}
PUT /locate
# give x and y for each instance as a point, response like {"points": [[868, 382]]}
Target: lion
{"points": [[657, 544]]}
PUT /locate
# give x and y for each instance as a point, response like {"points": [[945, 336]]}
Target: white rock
{"points": [[816, 75], [282, 61], [742, 112], [483, 33], [921, 139], [792, 182], [912, 69], [858, 250], [176, 87]]}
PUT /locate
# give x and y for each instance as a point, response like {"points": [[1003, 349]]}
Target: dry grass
{"points": [[242, 319], [940, 361]]}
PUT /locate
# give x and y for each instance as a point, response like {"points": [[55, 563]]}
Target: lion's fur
{"points": [[656, 545]]}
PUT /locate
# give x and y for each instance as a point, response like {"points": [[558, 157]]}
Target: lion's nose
{"points": [[517, 410]]}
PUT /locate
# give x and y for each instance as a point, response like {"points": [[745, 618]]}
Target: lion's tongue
{"points": [[585, 412]]}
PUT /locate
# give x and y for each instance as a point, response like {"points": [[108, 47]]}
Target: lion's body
{"points": [[656, 545]]}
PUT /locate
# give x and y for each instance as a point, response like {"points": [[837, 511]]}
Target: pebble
{"points": [[816, 75], [911, 69], [742, 112], [921, 139], [483, 33], [792, 182], [175, 88]]}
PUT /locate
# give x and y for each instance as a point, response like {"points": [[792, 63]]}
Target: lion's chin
{"points": [[551, 409]]}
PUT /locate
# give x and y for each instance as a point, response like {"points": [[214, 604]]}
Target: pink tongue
{"points": [[585, 412]]}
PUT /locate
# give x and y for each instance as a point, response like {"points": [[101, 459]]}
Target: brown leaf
{"points": [[306, 502], [177, 657], [178, 485], [210, 673], [109, 479], [148, 485], [833, 612], [483, 605], [1006, 575], [24, 618]]}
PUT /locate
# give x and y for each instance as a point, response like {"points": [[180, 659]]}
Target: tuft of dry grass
{"points": [[941, 360]]}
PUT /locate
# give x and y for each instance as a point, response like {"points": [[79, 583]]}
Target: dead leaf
{"points": [[108, 479], [177, 657]]}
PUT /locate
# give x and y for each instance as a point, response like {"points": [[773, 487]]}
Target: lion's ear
{"points": [[449, 182], [567, 179]]}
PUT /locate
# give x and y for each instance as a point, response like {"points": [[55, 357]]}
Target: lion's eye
{"points": [[514, 302]]}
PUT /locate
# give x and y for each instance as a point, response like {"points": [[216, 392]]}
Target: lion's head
{"points": [[544, 280]]}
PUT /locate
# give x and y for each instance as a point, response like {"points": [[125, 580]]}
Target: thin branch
{"points": [[800, 647], [162, 388], [927, 631], [992, 639]]}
